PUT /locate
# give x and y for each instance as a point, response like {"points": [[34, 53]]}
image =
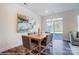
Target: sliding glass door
{"points": [[56, 27]]}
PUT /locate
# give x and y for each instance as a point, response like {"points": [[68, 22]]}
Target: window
{"points": [[55, 25], [49, 25]]}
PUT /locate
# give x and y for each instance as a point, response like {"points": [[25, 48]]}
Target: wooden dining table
{"points": [[37, 37]]}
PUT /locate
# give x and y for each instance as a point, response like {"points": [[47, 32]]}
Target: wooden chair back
{"points": [[26, 42]]}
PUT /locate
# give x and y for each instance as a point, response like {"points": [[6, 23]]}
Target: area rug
{"points": [[57, 47]]}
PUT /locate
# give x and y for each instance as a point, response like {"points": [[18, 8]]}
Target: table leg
{"points": [[39, 43]]}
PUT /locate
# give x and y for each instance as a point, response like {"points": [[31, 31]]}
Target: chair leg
{"points": [[30, 52], [51, 42]]}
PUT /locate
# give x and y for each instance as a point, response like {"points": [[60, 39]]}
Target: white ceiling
{"points": [[44, 9]]}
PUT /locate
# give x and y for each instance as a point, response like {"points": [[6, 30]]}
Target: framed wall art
{"points": [[24, 23]]}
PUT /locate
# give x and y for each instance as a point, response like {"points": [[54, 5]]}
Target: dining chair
{"points": [[46, 42], [30, 46], [47, 39]]}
